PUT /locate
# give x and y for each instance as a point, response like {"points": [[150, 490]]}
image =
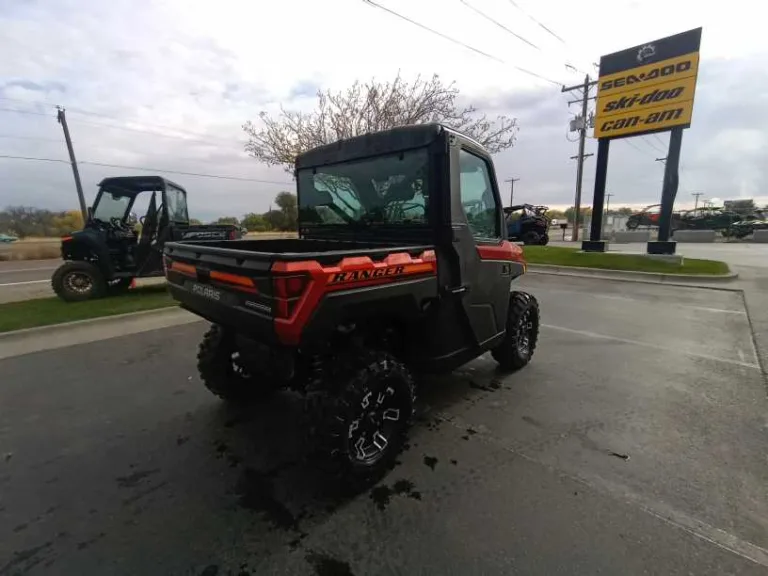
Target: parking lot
{"points": [[634, 443]]}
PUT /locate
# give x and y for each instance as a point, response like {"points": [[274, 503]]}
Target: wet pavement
{"points": [[634, 443]]}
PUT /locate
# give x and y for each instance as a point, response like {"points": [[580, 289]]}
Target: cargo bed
{"points": [[259, 286]]}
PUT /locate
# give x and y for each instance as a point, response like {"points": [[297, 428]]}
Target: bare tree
{"points": [[370, 107]]}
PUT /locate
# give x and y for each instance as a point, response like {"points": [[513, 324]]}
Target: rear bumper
{"points": [[232, 311]]}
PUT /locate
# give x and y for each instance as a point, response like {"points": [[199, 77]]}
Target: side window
{"points": [[477, 197]]}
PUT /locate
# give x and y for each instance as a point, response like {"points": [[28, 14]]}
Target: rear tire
{"points": [[77, 281], [218, 367], [519, 344], [362, 423], [531, 238]]}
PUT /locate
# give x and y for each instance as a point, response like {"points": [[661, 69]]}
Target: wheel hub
{"points": [[377, 422], [524, 331], [78, 282]]}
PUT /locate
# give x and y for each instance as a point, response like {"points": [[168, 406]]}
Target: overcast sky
{"points": [[181, 76]]}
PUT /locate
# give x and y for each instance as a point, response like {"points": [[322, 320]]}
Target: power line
{"points": [[649, 143], [512, 32], [197, 136], [147, 169], [548, 30], [33, 113], [200, 135], [16, 137], [499, 24], [153, 133], [460, 43], [635, 146]]}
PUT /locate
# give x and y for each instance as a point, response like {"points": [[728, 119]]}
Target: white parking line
{"points": [[650, 345], [24, 283], [17, 270]]}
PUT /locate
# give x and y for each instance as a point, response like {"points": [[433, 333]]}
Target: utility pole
{"points": [[511, 189], [62, 118], [607, 210], [582, 140], [696, 195]]}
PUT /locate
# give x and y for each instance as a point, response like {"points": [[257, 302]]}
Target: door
{"points": [[480, 239]]}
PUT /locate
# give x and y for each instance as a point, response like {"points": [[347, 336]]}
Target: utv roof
{"points": [[377, 143], [517, 207], [137, 184]]}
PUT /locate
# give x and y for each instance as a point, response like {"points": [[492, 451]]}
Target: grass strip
{"points": [[48, 311], [562, 256]]}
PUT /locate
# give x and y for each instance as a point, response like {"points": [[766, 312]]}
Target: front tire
{"points": [[544, 240], [220, 370], [362, 423], [519, 344], [77, 281]]}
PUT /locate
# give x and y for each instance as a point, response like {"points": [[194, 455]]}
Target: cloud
{"points": [[168, 86]]}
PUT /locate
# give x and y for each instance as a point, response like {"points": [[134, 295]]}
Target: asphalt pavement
{"points": [[634, 443], [22, 280]]}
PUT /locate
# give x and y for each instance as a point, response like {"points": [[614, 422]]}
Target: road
{"points": [[21, 280], [32, 279], [633, 444]]}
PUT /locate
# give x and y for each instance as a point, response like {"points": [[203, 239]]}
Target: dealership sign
{"points": [[648, 88]]}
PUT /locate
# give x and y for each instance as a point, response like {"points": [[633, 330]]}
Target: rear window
{"points": [[391, 190]]}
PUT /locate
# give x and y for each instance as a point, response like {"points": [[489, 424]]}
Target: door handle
{"points": [[506, 269]]}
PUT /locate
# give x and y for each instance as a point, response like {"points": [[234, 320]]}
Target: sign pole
{"points": [[595, 243], [668, 194]]}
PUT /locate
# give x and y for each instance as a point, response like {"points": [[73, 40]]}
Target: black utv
{"points": [[115, 247], [402, 266], [527, 223]]}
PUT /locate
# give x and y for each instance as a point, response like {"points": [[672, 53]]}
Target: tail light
{"points": [[288, 290], [232, 235]]}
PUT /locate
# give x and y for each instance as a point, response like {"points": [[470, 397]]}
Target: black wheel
{"points": [[631, 224], [362, 423], [78, 281], [531, 237], [223, 374], [519, 344], [544, 240]]}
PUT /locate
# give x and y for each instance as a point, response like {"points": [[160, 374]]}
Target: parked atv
{"points": [[110, 252], [408, 271], [527, 223], [707, 219]]}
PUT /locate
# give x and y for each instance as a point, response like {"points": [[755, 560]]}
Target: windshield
{"points": [[391, 190], [177, 204], [111, 205]]}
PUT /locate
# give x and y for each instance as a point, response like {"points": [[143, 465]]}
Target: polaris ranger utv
{"points": [[528, 223], [402, 266], [109, 253]]}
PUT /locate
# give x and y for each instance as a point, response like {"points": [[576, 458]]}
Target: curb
{"points": [[77, 323], [685, 281]]}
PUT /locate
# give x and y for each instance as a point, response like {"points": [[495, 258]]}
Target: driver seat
{"points": [[148, 232]]}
